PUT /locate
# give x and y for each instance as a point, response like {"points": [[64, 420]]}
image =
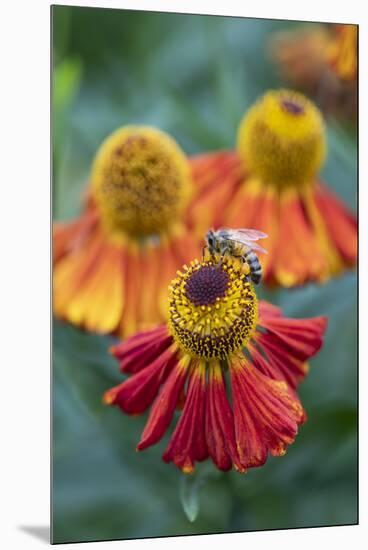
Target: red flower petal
{"points": [[266, 414], [220, 434], [265, 309], [188, 442], [301, 338], [277, 363], [138, 351], [134, 395], [163, 408]]}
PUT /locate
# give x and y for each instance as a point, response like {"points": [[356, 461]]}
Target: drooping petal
{"points": [[301, 338], [164, 406], [208, 167], [129, 323], [341, 224], [298, 258], [265, 412], [168, 268], [265, 309], [88, 278], [220, 434], [150, 266], [71, 273], [105, 284], [138, 351], [137, 393], [286, 344], [68, 236], [275, 363], [188, 442], [144, 338], [279, 367], [236, 214], [324, 239], [217, 177], [185, 249]]}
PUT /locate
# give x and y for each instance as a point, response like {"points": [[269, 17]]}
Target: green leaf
{"points": [[66, 79]]}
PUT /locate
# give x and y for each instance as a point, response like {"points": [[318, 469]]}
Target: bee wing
{"points": [[255, 246], [252, 234], [241, 236], [248, 234]]}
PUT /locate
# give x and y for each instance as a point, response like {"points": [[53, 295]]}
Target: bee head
{"points": [[210, 239]]}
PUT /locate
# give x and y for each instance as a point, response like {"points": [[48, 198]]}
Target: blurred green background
{"points": [[192, 76]]}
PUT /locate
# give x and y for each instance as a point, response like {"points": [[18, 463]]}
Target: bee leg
{"points": [[203, 251], [223, 253], [247, 278], [222, 256]]}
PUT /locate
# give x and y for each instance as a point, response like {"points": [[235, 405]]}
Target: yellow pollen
{"points": [[281, 139], [140, 181], [207, 332]]}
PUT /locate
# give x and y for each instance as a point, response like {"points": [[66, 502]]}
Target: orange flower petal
{"points": [[221, 180], [151, 267], [98, 304], [340, 223], [325, 242], [186, 250], [67, 235], [168, 265], [298, 258], [71, 272], [132, 287], [256, 206], [207, 167]]}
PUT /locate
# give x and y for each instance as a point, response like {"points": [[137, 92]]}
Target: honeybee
{"points": [[238, 243]]}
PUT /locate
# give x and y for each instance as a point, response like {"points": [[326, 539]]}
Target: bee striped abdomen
{"points": [[254, 266]]}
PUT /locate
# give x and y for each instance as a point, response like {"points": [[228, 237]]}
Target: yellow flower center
{"points": [[282, 139], [213, 309], [140, 181]]}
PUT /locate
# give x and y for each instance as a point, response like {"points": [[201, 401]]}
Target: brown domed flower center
{"points": [[212, 308], [205, 285], [140, 180]]}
